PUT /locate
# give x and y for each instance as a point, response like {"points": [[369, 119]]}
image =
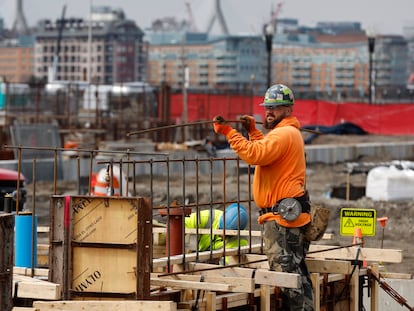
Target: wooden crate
{"points": [[101, 246]]}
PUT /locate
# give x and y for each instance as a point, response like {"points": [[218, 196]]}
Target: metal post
{"points": [[371, 48], [268, 34]]}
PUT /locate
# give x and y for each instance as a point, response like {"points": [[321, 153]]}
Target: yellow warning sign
{"points": [[363, 218]]}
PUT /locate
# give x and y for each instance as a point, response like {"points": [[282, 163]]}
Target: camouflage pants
{"points": [[286, 249]]}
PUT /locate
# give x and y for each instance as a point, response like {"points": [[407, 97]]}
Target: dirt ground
{"points": [[321, 179]]}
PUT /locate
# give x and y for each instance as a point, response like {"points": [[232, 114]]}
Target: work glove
{"points": [[220, 126], [248, 122]]}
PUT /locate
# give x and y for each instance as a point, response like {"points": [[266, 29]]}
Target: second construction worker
{"points": [[205, 221]]}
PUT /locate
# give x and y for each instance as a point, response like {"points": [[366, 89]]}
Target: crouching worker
{"points": [[229, 221]]}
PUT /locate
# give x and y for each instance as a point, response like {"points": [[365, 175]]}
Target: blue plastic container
{"points": [[25, 249]]}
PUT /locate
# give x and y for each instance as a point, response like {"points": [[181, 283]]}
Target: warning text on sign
{"points": [[352, 218]]}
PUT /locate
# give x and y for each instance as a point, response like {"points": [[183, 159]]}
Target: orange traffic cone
{"points": [[357, 236]]}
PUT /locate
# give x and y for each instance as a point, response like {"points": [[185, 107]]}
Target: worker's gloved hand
{"points": [[220, 126], [248, 122]]}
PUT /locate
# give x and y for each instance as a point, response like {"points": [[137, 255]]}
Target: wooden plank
{"points": [[34, 288], [316, 284], [38, 272], [264, 298], [223, 271], [211, 301], [42, 255], [374, 290], [328, 266], [349, 253], [190, 285], [104, 270], [43, 229], [204, 256], [106, 305], [335, 277], [398, 276], [238, 285], [274, 278]]}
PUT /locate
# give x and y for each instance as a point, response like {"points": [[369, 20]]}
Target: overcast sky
{"points": [[242, 16]]}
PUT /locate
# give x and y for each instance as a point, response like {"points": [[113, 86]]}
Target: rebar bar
{"points": [[160, 128]]}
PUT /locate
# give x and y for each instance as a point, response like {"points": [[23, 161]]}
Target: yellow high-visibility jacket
{"points": [[205, 223]]}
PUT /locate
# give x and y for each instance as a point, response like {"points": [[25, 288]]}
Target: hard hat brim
{"points": [[279, 103]]}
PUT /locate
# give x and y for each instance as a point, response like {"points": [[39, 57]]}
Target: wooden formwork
{"points": [[101, 246]]}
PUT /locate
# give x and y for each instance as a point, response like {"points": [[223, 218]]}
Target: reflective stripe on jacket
{"points": [[204, 223]]}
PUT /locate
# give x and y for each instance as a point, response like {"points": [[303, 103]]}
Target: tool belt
{"points": [[303, 200], [288, 212]]}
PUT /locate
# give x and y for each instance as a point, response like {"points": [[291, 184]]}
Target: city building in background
{"points": [[331, 60], [319, 67], [226, 63], [16, 59], [107, 49]]}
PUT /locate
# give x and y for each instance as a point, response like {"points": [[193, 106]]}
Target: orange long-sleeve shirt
{"points": [[279, 157]]}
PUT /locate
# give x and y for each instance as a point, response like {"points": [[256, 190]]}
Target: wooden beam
{"points": [[394, 275], [224, 271], [27, 287], [180, 284], [38, 272], [316, 284], [211, 301], [374, 290], [107, 305], [349, 253], [264, 298], [274, 278], [328, 266], [237, 284]]}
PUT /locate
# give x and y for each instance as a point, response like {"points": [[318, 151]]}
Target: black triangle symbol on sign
{"points": [[349, 223]]}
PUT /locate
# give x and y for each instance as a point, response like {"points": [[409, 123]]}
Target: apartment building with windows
{"points": [[108, 49], [16, 61], [321, 68], [236, 63], [335, 66]]}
